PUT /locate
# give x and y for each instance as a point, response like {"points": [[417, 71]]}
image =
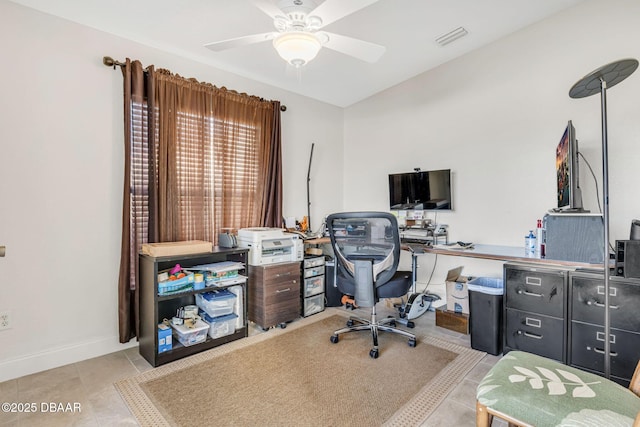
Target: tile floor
{"points": [[89, 385]]}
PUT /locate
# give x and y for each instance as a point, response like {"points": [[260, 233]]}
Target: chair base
{"points": [[374, 325]]}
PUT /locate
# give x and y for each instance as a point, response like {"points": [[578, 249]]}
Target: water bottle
{"points": [[540, 238], [530, 244]]}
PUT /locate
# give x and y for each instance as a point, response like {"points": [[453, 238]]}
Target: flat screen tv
{"points": [[567, 172], [420, 190]]}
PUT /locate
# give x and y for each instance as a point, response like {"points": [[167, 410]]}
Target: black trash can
{"points": [[485, 314]]}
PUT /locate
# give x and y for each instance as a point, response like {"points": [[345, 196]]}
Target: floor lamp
{"points": [[600, 80]]}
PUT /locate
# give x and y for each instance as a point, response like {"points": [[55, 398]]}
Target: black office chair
{"points": [[367, 252]]}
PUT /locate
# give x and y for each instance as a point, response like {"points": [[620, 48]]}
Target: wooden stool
{"points": [[528, 390]]}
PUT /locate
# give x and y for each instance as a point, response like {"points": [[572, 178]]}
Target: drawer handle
{"points": [[288, 273], [530, 335], [599, 304], [531, 294], [282, 290], [599, 351]]}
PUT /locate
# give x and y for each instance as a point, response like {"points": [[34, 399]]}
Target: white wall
{"points": [[495, 117], [61, 146]]}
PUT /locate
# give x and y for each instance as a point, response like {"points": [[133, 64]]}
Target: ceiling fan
{"points": [[298, 37]]}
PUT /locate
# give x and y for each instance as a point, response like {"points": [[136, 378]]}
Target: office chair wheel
{"points": [[393, 322], [283, 325], [349, 323], [410, 324], [374, 353], [334, 339], [412, 342]]}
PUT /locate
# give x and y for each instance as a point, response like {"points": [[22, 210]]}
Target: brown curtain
{"points": [[135, 223], [208, 158], [271, 212]]}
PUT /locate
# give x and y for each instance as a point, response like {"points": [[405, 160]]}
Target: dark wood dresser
{"points": [[274, 294]]}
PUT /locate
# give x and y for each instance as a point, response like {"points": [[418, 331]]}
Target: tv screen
{"points": [[421, 190], [569, 193]]}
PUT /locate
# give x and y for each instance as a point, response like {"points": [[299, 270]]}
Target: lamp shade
{"points": [[297, 47]]}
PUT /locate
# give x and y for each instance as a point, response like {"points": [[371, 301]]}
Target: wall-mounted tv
{"points": [[567, 172], [420, 190]]}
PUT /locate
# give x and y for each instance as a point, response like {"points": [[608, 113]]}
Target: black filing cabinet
{"points": [[535, 310], [586, 329]]}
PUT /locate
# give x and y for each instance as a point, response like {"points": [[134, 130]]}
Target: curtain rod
{"points": [[110, 62]]}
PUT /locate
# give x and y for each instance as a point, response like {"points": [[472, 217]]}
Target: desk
{"points": [[500, 253], [317, 241]]}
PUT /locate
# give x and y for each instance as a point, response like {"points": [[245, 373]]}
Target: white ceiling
{"points": [[407, 28]]}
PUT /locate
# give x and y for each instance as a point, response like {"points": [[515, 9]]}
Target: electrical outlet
{"points": [[5, 320]]}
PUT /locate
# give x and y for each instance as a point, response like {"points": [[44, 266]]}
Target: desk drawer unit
{"points": [[312, 296], [535, 307], [535, 333], [586, 329], [536, 290], [274, 294]]}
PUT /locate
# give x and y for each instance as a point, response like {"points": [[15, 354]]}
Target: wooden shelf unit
{"points": [[154, 308]]}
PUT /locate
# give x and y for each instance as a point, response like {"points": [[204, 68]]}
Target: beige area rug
{"points": [[297, 377]]}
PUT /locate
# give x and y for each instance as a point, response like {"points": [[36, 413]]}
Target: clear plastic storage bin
{"points": [[190, 336], [221, 326], [216, 303]]}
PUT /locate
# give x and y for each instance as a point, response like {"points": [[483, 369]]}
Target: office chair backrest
{"points": [[365, 236]]}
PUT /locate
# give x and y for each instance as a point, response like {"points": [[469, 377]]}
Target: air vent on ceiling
{"points": [[451, 36]]}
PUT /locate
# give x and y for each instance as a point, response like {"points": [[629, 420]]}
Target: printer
{"points": [[270, 245]]}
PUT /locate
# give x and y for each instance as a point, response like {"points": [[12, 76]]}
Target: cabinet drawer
{"points": [[587, 301], [314, 271], [313, 262], [313, 305], [587, 349], [280, 273], [281, 292], [535, 333], [535, 290], [313, 286]]}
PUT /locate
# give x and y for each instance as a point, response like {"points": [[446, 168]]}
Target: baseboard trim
{"points": [[54, 358]]}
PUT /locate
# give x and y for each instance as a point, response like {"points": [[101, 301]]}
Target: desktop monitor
{"points": [[567, 172], [420, 190]]}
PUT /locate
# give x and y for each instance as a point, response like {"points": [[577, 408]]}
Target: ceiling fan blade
{"points": [[369, 52], [268, 7], [240, 41], [332, 10]]}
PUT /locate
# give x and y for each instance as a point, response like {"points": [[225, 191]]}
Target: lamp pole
{"points": [[600, 80]]}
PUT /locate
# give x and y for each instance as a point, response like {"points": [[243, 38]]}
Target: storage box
{"points": [[216, 303], [189, 336], [220, 326], [313, 286], [179, 285], [165, 343], [457, 291], [176, 248], [458, 322], [313, 305]]}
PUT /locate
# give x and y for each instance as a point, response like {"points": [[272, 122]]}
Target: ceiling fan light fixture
{"points": [[297, 47]]}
